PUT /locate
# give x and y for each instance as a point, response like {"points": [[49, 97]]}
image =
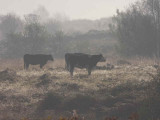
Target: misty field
{"points": [[50, 93]]}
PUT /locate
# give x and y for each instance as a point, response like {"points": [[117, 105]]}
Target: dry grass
{"points": [[38, 93]]}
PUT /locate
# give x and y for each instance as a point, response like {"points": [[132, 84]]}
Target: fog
{"points": [[97, 58], [88, 26], [74, 9]]}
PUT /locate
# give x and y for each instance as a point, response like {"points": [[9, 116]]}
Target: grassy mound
{"points": [[8, 74]]}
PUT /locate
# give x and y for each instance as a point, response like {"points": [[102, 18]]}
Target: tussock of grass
{"points": [[73, 86], [45, 79], [8, 74]]}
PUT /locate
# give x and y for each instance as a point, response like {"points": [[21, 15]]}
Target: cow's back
{"points": [[34, 59], [80, 60]]}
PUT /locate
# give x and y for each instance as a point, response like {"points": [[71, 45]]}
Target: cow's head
{"points": [[50, 58], [102, 58]]}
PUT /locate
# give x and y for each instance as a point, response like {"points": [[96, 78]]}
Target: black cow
{"points": [[82, 60], [40, 59]]}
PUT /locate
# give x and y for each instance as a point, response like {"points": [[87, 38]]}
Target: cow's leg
{"points": [[71, 69], [41, 66], [27, 66], [89, 71], [66, 66]]}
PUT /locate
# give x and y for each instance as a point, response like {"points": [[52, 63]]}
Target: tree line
{"points": [[19, 36], [137, 31]]}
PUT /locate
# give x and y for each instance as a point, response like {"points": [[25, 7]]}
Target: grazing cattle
{"points": [[40, 59], [82, 60]]}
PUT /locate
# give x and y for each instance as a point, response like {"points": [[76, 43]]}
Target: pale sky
{"points": [[74, 9]]}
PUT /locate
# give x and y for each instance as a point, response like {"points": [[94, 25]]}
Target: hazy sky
{"points": [[74, 9]]}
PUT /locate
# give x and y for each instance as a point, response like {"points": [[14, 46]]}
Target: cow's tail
{"points": [[66, 63], [66, 66], [24, 66]]}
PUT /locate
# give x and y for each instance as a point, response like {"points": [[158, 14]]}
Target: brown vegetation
{"points": [[126, 92]]}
